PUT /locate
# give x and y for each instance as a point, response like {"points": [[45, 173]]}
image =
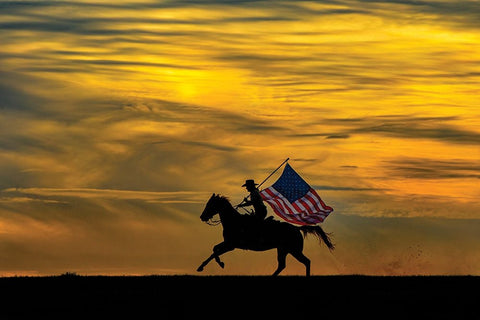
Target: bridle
{"points": [[212, 222]]}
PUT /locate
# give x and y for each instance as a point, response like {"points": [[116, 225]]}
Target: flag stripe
{"points": [[312, 201], [299, 212], [318, 202], [306, 204], [279, 211], [281, 207], [276, 199], [278, 206], [301, 206], [309, 218], [291, 209], [324, 206], [298, 206], [292, 213], [281, 200]]}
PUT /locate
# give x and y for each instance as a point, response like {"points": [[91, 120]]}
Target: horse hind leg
{"points": [[281, 258], [303, 259]]}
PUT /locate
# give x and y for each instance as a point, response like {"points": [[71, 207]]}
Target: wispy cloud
{"points": [[419, 168], [463, 13], [436, 128], [49, 194], [400, 126], [345, 188]]}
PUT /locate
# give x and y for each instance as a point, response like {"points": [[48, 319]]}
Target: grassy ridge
{"points": [[82, 297]]}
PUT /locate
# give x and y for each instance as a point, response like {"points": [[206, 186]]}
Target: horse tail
{"points": [[318, 232]]}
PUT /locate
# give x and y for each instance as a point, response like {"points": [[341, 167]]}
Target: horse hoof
{"points": [[200, 269], [222, 264]]}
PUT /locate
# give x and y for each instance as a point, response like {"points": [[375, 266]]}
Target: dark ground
{"points": [[238, 297]]}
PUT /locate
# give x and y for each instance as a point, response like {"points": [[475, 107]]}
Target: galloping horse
{"points": [[244, 232]]}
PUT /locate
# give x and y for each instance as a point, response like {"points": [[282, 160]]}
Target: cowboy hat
{"points": [[249, 182]]}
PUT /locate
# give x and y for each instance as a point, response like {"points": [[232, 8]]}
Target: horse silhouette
{"points": [[246, 232]]}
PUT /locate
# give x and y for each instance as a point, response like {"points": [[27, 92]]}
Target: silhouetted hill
{"points": [[226, 297]]}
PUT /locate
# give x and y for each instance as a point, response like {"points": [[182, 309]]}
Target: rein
{"points": [[219, 207], [212, 222]]}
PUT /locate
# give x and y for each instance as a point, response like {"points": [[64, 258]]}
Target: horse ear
{"points": [[213, 195]]}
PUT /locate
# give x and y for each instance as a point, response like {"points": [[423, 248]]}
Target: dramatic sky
{"points": [[118, 120]]}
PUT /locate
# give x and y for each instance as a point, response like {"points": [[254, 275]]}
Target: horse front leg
{"points": [[212, 256], [218, 250]]}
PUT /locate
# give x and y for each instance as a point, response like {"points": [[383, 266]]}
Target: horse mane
{"points": [[225, 199], [219, 196]]}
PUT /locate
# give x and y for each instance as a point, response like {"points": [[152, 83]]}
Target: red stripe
{"points": [[280, 212], [297, 208], [295, 215], [325, 207], [287, 218], [308, 219], [314, 217], [270, 193], [273, 204], [264, 194], [313, 202], [280, 201], [307, 207], [290, 213], [281, 204]]}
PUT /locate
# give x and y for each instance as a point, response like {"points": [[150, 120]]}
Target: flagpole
{"points": [[271, 174]]}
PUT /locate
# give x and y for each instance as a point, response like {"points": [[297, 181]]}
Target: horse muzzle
{"points": [[203, 217]]}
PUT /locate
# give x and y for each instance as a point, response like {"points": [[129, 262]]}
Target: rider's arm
{"points": [[245, 203]]}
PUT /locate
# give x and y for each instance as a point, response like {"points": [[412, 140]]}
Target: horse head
{"points": [[210, 208]]}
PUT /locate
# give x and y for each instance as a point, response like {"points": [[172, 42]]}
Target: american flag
{"points": [[294, 200]]}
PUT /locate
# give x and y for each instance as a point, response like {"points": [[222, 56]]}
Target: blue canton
{"points": [[291, 185]]}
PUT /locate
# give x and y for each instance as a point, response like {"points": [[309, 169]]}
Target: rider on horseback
{"points": [[260, 210]]}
